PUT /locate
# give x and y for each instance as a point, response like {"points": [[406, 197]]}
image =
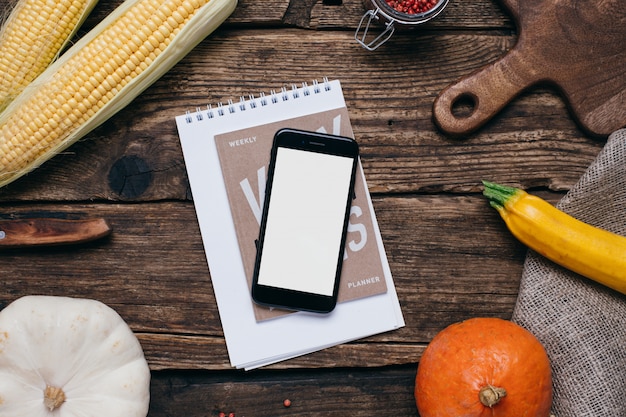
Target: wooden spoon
{"points": [[49, 231]]}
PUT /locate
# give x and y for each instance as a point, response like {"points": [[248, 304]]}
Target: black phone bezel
{"points": [[315, 142]]}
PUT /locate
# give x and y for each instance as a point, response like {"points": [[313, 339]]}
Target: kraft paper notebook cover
{"points": [[227, 188], [244, 157]]}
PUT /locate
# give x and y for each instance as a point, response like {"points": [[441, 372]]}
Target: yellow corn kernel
{"points": [[72, 97], [32, 37]]}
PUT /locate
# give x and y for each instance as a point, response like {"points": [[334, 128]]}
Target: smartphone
{"points": [[309, 191]]}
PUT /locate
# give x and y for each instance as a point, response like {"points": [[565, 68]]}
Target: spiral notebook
{"points": [[226, 150], [244, 157]]}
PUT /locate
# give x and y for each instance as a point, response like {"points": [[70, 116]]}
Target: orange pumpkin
{"points": [[484, 367]]}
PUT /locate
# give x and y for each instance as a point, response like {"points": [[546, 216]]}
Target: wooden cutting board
{"points": [[577, 45]]}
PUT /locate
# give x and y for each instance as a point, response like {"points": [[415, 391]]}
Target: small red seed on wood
{"points": [[287, 403]]}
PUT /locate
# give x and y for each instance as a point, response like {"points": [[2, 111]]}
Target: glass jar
{"points": [[383, 13]]}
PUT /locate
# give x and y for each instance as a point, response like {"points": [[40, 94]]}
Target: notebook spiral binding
{"points": [[262, 100]]}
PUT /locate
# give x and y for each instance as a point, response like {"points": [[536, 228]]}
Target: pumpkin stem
{"points": [[490, 395], [53, 397]]}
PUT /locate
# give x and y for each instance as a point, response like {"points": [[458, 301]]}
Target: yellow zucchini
{"points": [[587, 250]]}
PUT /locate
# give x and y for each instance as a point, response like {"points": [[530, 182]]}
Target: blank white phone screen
{"points": [[305, 220]]}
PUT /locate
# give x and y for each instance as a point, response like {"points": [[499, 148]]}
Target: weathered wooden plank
{"points": [[340, 392], [136, 155], [451, 258], [320, 14], [450, 254], [172, 351]]}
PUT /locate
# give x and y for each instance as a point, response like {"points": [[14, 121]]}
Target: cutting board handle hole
{"points": [[464, 105]]}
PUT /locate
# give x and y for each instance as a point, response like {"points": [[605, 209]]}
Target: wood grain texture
{"points": [[451, 258], [355, 392], [532, 143], [450, 254], [562, 43]]}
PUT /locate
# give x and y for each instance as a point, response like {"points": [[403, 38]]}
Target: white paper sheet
{"points": [[253, 344]]}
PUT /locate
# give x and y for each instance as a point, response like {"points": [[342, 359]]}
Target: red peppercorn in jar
{"points": [[411, 6], [408, 13]]}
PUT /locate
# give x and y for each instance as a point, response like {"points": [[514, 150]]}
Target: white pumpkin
{"points": [[70, 357]]}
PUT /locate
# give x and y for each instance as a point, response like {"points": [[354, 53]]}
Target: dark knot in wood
{"points": [[130, 177]]}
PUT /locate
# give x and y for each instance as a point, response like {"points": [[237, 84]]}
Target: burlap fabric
{"points": [[583, 324]]}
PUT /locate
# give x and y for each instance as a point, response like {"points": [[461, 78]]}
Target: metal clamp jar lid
{"points": [[384, 13]]}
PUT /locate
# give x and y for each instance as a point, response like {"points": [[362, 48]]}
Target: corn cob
{"points": [[100, 75], [31, 38]]}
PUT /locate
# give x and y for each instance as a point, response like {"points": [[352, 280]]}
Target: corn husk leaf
{"points": [[208, 18]]}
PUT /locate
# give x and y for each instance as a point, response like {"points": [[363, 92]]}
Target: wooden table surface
{"points": [[450, 254]]}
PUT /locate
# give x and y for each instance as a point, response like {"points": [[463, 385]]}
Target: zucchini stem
{"points": [[498, 194]]}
